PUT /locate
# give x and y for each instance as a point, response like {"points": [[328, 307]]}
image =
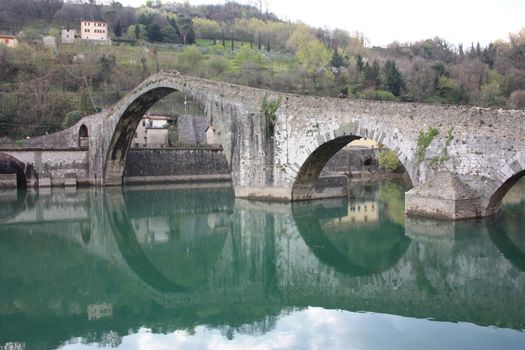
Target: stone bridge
{"points": [[476, 157]]}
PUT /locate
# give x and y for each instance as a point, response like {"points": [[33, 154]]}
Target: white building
{"points": [[152, 131], [93, 30], [67, 36]]}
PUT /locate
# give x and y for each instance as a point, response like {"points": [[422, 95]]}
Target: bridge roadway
{"points": [[429, 269], [465, 172]]}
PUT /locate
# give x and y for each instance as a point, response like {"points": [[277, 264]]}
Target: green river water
{"points": [[165, 268]]}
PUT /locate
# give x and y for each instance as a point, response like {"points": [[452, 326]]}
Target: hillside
{"points": [[43, 89]]}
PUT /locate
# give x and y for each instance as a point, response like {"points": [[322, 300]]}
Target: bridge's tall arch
{"points": [[304, 185], [123, 133]]}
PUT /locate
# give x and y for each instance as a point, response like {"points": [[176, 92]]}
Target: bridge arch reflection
{"points": [[352, 236], [170, 268]]}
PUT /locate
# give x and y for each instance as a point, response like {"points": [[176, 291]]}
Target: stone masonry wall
{"points": [[172, 162], [191, 129], [55, 164], [354, 159]]}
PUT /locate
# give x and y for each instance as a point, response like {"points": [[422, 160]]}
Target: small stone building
{"points": [[67, 36], [9, 40]]}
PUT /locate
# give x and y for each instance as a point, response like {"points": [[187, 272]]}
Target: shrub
{"points": [[269, 108], [517, 99], [424, 140], [389, 161], [379, 95]]}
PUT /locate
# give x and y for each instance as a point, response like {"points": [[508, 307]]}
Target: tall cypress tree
{"points": [[137, 31], [118, 29], [393, 79]]}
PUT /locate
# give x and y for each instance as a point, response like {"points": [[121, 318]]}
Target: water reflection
{"points": [[95, 265], [358, 236], [507, 229]]}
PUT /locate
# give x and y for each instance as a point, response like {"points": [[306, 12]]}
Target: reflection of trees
{"points": [[393, 195]]}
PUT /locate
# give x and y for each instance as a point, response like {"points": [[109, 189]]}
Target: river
{"points": [[160, 267]]}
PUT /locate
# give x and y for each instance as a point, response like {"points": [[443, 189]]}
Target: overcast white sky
{"points": [[385, 21]]}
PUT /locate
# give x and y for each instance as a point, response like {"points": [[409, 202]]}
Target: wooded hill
{"points": [[44, 89]]}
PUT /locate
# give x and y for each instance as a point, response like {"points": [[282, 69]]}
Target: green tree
{"points": [[190, 60], [186, 30], [249, 66], [217, 66], [389, 161], [118, 29], [170, 35], [107, 63], [338, 60], [313, 57], [492, 90], [372, 75], [393, 79], [153, 32], [137, 32], [449, 90], [360, 63], [85, 106]]}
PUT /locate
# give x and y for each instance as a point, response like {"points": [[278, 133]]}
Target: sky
{"points": [[317, 328], [386, 21]]}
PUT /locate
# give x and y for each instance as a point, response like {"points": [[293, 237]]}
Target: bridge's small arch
{"points": [[12, 165], [83, 136], [505, 185], [304, 187]]}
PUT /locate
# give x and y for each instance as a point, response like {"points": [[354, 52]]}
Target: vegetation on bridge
{"points": [[424, 140]]}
